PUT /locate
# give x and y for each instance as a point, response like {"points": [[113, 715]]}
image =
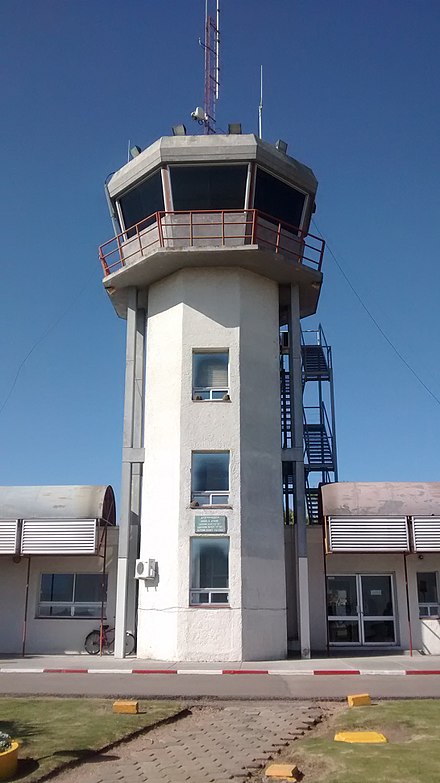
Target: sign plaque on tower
{"points": [[210, 525]]}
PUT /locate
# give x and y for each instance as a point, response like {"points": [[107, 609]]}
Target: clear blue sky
{"points": [[352, 86]]}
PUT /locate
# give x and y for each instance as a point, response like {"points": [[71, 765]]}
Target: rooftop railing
{"points": [[205, 229]]}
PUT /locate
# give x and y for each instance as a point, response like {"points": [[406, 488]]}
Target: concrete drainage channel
{"points": [[213, 744]]}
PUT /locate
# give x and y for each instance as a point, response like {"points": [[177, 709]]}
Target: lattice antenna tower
{"points": [[212, 65]]}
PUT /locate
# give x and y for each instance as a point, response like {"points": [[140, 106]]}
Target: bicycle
{"points": [[93, 646]]}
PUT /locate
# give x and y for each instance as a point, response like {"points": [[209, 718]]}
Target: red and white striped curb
{"points": [[270, 672]]}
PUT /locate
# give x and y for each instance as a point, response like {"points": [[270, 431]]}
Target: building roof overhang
{"points": [[58, 503], [381, 499], [215, 148]]}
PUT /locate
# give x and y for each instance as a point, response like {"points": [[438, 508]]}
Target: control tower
{"points": [[212, 253]]}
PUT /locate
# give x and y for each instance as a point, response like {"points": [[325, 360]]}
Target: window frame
{"points": [[117, 201], [210, 494], [432, 607], [290, 185], [210, 592], [73, 604], [197, 391], [213, 164]]}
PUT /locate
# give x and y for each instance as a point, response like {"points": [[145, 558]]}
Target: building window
{"points": [[210, 375], [210, 478], [427, 594], [209, 571], [208, 187], [141, 202], [278, 200], [72, 595]]}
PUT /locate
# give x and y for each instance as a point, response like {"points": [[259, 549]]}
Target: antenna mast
{"points": [[212, 65], [260, 106]]}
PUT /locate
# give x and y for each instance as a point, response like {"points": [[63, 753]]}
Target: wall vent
{"points": [[426, 534], [59, 537], [367, 534], [8, 536]]}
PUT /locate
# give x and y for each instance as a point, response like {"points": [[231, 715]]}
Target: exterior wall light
{"points": [[179, 130], [281, 146]]}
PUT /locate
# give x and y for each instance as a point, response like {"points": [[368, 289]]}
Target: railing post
{"points": [[223, 228], [139, 237], [191, 238], [121, 258], [159, 228], [103, 262], [254, 227]]}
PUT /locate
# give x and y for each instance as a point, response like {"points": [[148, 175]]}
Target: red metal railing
{"points": [[207, 229]]}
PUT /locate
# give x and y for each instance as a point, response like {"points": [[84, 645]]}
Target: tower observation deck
{"points": [[211, 255]]}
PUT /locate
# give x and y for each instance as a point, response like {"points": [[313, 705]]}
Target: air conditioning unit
{"points": [[145, 569]]}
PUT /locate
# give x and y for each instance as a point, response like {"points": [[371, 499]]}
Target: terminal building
{"points": [[235, 541]]}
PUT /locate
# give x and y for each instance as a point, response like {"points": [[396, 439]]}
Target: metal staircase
{"points": [[320, 459]]}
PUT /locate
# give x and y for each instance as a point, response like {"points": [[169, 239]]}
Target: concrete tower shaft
{"points": [[213, 246]]}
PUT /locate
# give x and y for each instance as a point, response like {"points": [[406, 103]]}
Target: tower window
{"points": [[140, 202], [209, 571], [427, 594], [210, 478], [277, 199], [210, 375], [208, 187]]}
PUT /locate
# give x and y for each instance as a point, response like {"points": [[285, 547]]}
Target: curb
{"points": [[210, 672]]}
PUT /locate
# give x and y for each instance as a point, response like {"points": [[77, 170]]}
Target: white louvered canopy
{"points": [[59, 537], [8, 536], [426, 534], [54, 520], [368, 534]]}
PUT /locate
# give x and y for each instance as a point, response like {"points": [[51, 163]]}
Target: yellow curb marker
{"points": [[359, 700], [360, 736], [284, 771], [126, 707]]}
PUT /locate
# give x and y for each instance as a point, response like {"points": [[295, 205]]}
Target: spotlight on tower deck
{"points": [[234, 127], [135, 151], [281, 146], [179, 130]]}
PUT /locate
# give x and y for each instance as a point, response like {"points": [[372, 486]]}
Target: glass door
{"points": [[343, 610], [360, 610], [377, 609]]}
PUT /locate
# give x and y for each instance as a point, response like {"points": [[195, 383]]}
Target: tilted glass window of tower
{"points": [[72, 595], [139, 204], [209, 571], [276, 199], [208, 187], [427, 590], [210, 478], [210, 375]]}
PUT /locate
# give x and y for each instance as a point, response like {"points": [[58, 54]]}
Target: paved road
{"points": [[242, 686], [211, 745]]}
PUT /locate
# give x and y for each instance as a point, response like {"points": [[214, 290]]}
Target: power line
{"points": [[373, 319], [40, 339]]}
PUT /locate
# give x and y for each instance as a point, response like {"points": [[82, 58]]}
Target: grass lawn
{"points": [[54, 731], [412, 753]]}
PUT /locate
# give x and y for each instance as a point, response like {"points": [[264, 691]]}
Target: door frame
{"points": [[360, 617]]}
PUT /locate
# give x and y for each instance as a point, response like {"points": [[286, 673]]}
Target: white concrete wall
{"points": [[262, 526], [49, 635], [426, 632], [12, 592], [196, 309]]}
